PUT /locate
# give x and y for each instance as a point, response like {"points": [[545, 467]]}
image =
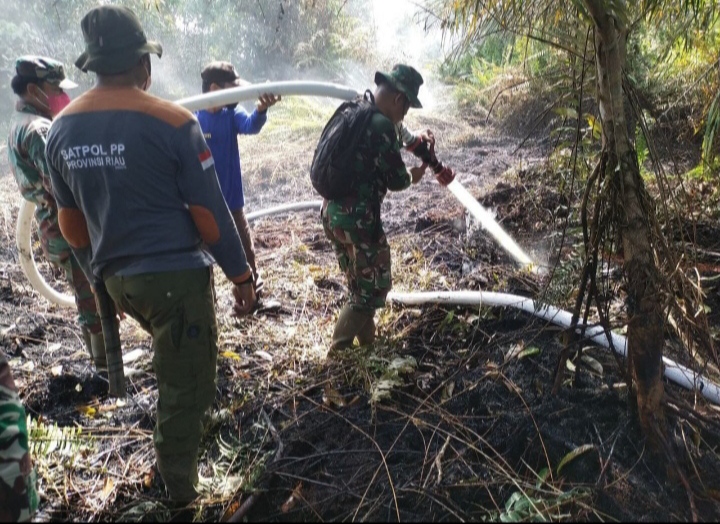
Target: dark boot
{"points": [[87, 340]]}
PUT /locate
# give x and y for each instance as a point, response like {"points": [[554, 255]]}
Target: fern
{"points": [[48, 442]]}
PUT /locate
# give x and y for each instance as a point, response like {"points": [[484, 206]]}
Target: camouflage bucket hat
{"points": [[114, 40], [43, 69], [405, 79], [221, 73]]}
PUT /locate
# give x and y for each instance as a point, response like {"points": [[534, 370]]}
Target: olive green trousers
{"points": [[178, 309]]}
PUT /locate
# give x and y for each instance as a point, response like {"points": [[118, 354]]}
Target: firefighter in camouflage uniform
{"points": [[353, 224], [18, 495], [40, 85]]}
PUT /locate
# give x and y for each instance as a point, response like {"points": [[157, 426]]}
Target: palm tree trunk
{"points": [[632, 212]]}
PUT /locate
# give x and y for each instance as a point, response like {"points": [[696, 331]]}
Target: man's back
{"points": [[378, 159], [136, 165], [221, 130]]}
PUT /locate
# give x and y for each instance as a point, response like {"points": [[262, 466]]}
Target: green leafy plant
{"points": [[50, 442]]}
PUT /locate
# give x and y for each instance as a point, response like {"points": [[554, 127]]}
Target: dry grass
{"points": [[438, 448]]}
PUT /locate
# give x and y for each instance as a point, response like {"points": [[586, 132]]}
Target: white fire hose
{"points": [[674, 372], [23, 233], [680, 375]]}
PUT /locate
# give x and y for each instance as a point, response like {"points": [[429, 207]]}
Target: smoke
{"points": [[402, 37], [397, 36]]}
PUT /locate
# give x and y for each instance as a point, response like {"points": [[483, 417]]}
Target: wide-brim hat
{"points": [[114, 41], [405, 79]]}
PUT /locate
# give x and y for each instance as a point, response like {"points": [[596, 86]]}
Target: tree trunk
{"points": [[632, 211]]}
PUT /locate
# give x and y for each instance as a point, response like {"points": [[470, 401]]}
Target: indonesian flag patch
{"points": [[206, 159]]}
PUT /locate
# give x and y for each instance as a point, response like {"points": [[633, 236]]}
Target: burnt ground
{"points": [[448, 417]]}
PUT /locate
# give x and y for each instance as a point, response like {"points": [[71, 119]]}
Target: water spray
{"points": [[487, 220], [489, 223]]}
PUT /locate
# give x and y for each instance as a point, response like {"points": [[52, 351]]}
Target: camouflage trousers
{"points": [[18, 494], [363, 254], [58, 252], [178, 309]]}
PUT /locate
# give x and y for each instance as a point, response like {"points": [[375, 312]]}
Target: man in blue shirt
{"points": [[221, 126]]}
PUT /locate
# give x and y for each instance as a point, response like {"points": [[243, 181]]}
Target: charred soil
{"points": [[450, 416]]}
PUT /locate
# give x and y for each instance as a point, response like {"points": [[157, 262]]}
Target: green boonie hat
{"points": [[44, 69], [114, 40], [221, 73], [405, 79]]}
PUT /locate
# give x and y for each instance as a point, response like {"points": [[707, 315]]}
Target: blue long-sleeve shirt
{"points": [[221, 130]]}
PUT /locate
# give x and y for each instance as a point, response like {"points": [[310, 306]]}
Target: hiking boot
{"points": [[86, 339]]}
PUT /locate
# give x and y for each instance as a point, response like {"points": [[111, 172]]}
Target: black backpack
{"points": [[332, 172]]}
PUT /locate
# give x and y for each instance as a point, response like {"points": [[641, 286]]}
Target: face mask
{"points": [[54, 103], [58, 102]]}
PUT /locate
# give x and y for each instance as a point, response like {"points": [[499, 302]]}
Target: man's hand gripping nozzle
{"points": [[425, 150]]}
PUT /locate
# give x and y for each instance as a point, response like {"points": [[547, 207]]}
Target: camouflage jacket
{"points": [[18, 495], [382, 168], [26, 152]]}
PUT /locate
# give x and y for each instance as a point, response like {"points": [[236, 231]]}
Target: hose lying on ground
{"points": [[674, 372], [23, 236], [681, 375]]}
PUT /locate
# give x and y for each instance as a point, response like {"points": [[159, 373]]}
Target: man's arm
{"points": [[252, 124], [390, 163], [34, 145], [249, 124], [407, 137], [71, 219], [17, 488], [199, 187]]}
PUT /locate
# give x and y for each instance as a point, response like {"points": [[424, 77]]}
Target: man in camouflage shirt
{"points": [[18, 495], [353, 224], [40, 85]]}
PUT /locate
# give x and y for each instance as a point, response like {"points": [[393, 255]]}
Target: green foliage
{"points": [[711, 128], [539, 507], [51, 443], [265, 39], [671, 50]]}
